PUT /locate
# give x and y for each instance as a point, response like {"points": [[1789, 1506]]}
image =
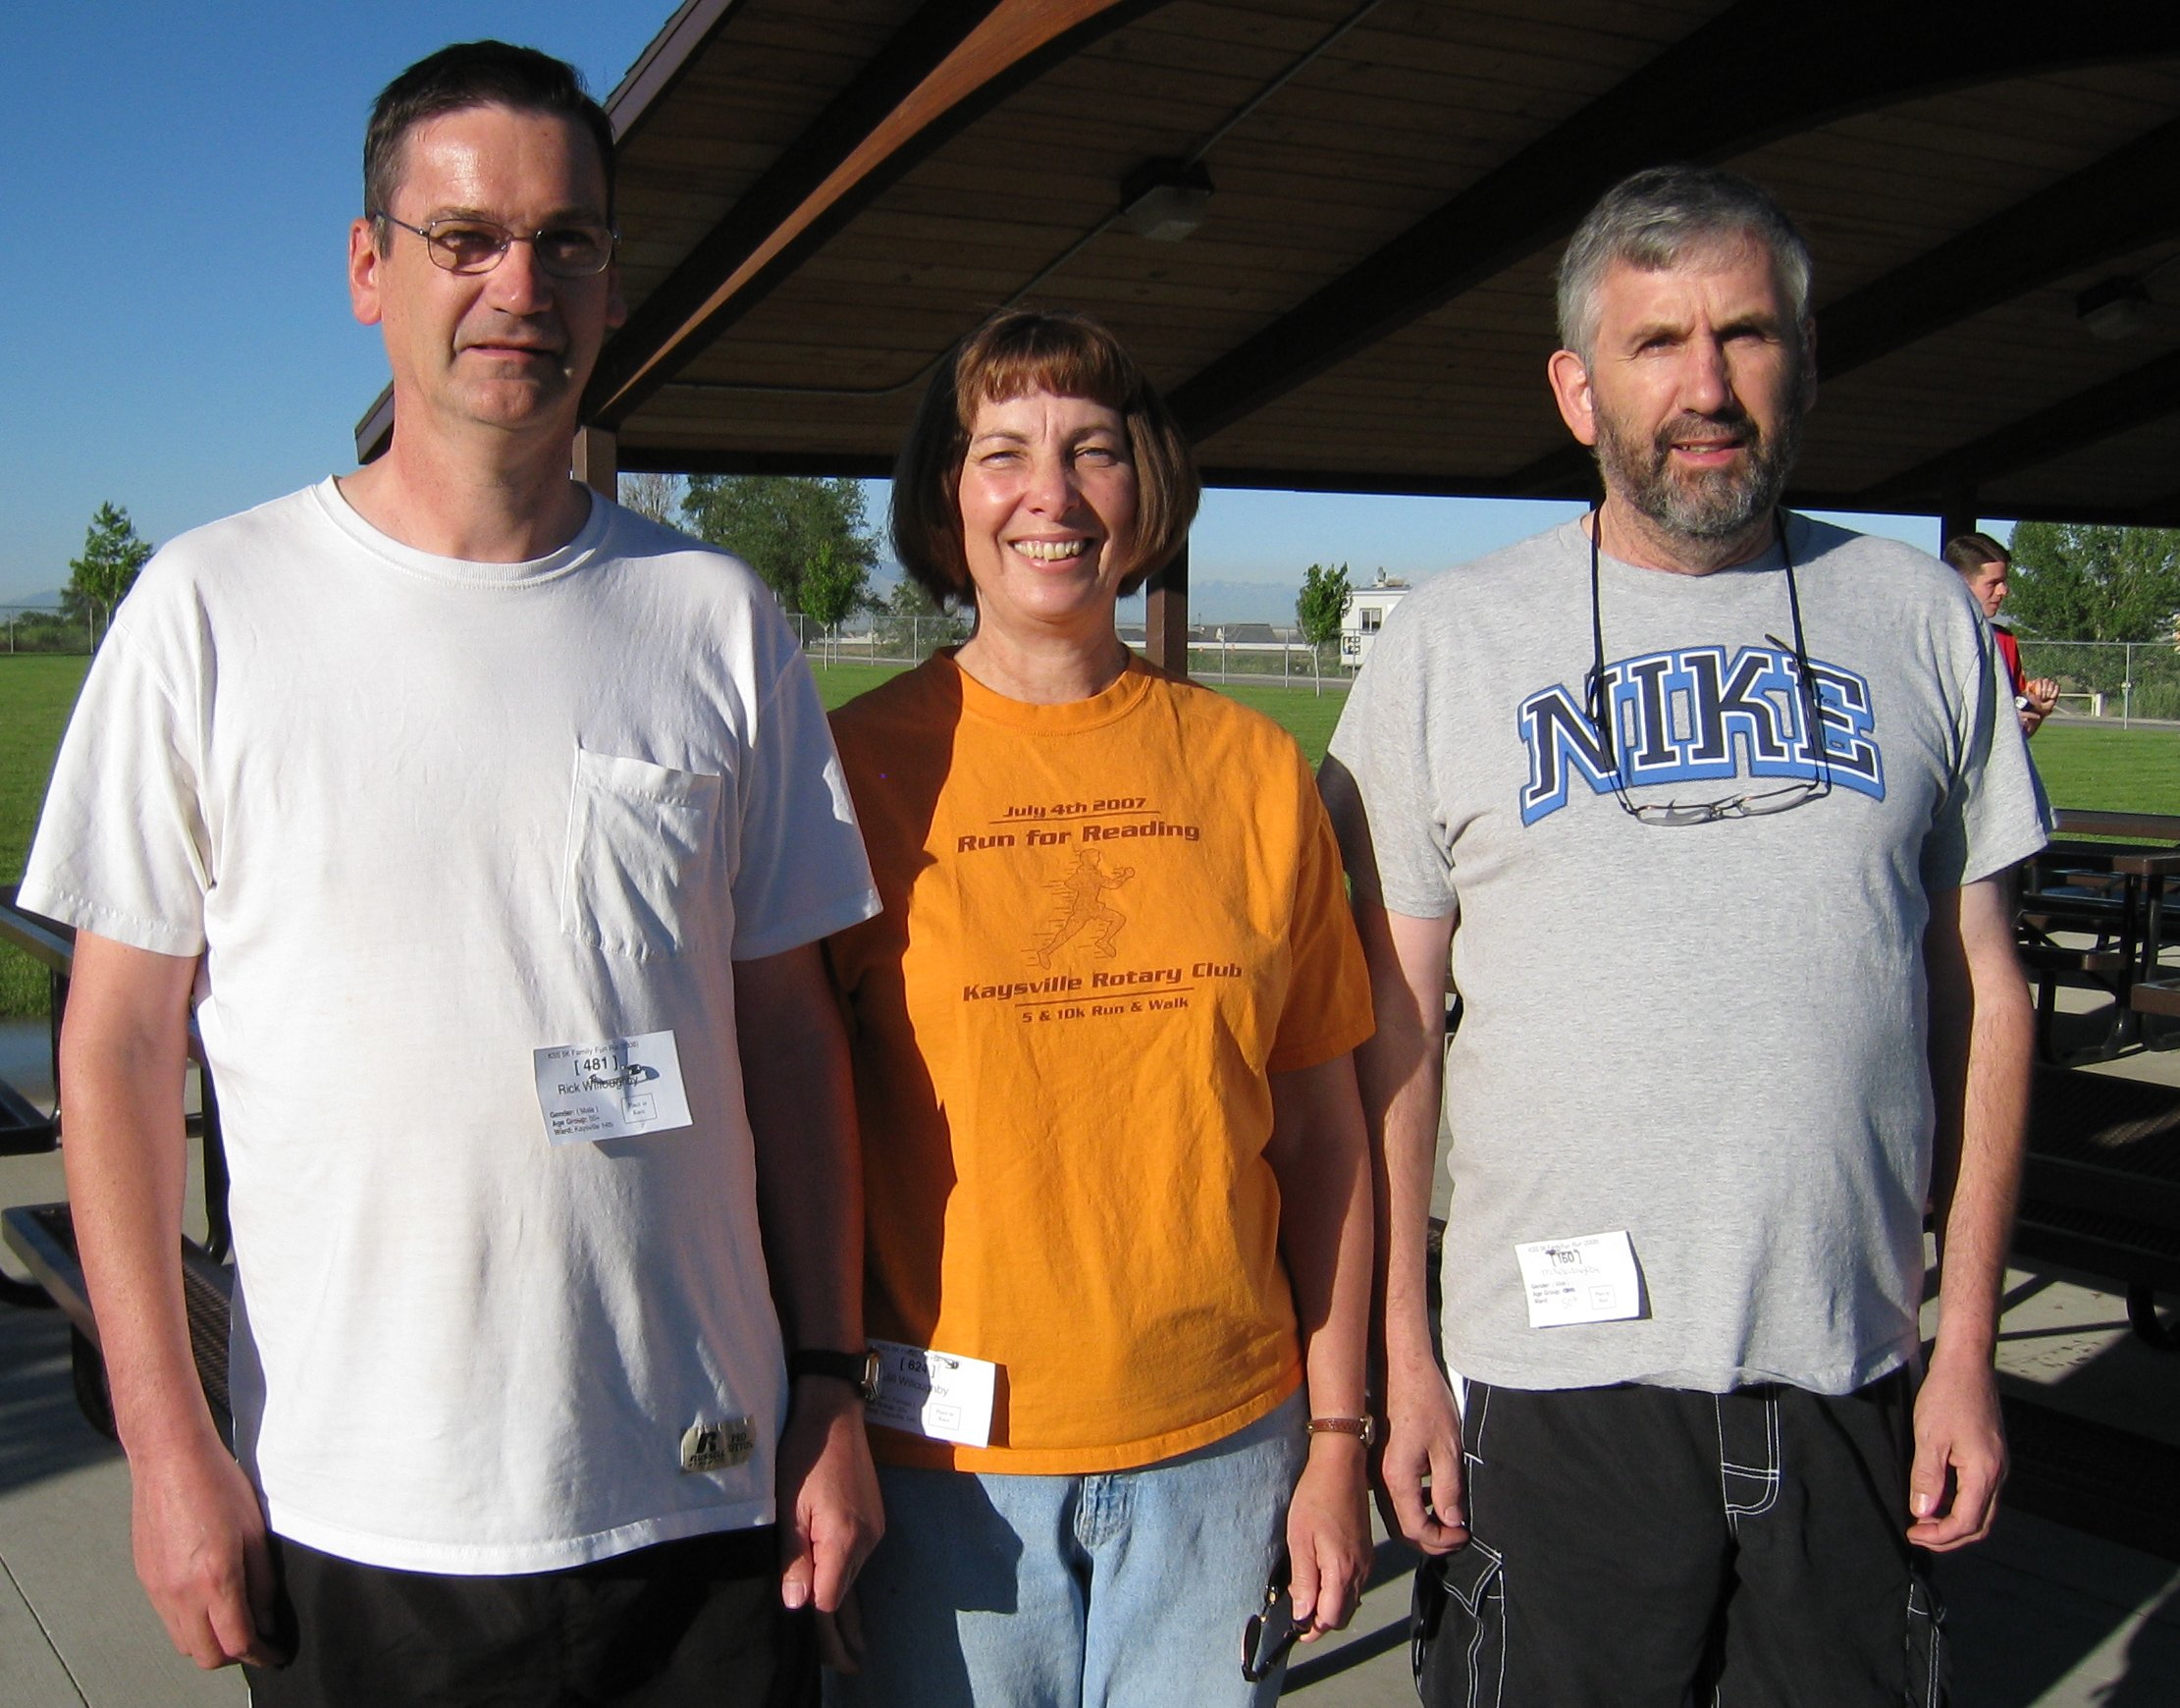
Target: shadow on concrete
{"points": [[2152, 1659], [2020, 1621], [42, 1434]]}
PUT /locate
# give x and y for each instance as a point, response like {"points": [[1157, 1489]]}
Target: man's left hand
{"points": [[1961, 1456], [829, 1513]]}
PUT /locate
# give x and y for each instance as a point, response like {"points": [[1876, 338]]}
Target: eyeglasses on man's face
{"points": [[463, 245]]}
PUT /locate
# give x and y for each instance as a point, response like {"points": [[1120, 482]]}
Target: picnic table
{"points": [[43, 1235], [23, 1128], [2100, 1191], [2115, 895]]}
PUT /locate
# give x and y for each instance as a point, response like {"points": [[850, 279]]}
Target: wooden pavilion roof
{"points": [[818, 196]]}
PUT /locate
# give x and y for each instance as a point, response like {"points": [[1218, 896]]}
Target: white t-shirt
{"points": [[424, 820]]}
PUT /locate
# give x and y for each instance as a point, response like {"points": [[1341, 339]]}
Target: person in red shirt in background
{"points": [[1984, 565]]}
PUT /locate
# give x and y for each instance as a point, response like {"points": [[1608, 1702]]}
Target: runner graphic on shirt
{"points": [[1081, 894]]}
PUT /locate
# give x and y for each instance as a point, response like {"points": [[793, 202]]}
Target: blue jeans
{"points": [[1127, 1587]]}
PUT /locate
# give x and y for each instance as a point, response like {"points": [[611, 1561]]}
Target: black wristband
{"points": [[860, 1370]]}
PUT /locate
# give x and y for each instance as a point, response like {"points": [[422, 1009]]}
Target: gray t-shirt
{"points": [[1710, 1036]]}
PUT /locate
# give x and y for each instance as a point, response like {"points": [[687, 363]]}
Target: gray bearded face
{"points": [[1702, 504]]}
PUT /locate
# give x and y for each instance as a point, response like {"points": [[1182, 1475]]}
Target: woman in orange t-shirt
{"points": [[1115, 1176]]}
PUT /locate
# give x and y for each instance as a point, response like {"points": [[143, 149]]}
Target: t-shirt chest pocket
{"points": [[641, 842]]}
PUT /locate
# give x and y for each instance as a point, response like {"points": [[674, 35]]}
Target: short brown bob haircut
{"points": [[1014, 353]]}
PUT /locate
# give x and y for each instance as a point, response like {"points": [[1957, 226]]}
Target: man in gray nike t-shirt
{"points": [[1709, 803]]}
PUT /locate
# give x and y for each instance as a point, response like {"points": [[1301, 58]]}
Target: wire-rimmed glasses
{"points": [[461, 244]]}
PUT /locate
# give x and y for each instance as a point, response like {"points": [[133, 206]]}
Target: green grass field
{"points": [[2104, 766], [36, 691], [1305, 715], [838, 684], [2084, 765]]}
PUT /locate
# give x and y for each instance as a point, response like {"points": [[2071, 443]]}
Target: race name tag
{"points": [[940, 1396], [1590, 1278], [616, 1089]]}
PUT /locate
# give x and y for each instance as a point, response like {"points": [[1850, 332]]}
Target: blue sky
{"points": [[176, 336]]}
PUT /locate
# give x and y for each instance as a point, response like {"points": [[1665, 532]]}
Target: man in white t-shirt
{"points": [[486, 831]]}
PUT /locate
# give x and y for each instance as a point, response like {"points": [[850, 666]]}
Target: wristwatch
{"points": [[860, 1370]]}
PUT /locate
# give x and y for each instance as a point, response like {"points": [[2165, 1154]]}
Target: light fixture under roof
{"points": [[1164, 199], [2114, 308]]}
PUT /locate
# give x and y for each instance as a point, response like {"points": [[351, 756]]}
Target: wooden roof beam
{"points": [[953, 62], [1762, 69], [708, 459], [2161, 513], [2086, 218], [2119, 404]]}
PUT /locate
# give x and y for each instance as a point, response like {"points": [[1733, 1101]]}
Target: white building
{"points": [[1366, 614]]}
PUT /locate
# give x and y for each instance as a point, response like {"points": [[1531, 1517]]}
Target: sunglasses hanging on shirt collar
{"points": [[1606, 726]]}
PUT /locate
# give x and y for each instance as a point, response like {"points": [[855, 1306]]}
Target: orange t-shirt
{"points": [[1105, 923]]}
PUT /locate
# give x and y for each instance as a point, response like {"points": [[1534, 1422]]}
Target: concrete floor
{"points": [[2040, 1616]]}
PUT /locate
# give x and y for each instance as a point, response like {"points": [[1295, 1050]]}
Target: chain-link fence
{"points": [[30, 628], [1285, 658], [877, 640], [1293, 663], [869, 640], [2128, 681]]}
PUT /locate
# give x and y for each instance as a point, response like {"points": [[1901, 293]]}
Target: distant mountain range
{"points": [[49, 600]]}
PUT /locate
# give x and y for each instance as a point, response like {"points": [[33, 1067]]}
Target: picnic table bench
{"points": [[2133, 826], [2113, 894], [25, 1129], [43, 1235], [2100, 1192]]}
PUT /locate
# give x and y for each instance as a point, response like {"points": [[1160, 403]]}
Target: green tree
{"points": [[2092, 581], [656, 496], [1323, 601], [102, 576], [835, 585], [913, 623], [781, 526]]}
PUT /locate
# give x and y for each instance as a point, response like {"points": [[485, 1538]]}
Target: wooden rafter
{"points": [[833, 175], [1761, 70], [953, 61], [2119, 404]]}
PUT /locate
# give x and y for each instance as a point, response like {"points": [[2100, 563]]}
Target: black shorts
{"points": [[694, 1622], [1640, 1547]]}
